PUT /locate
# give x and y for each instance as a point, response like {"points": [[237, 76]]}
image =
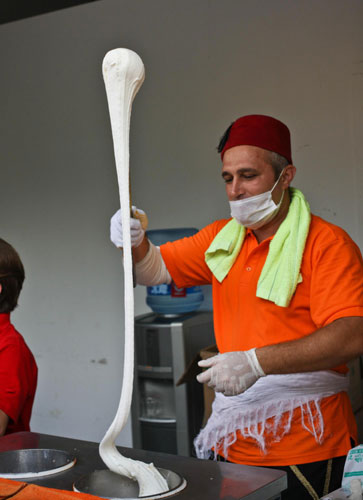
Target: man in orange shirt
{"points": [[288, 314]]}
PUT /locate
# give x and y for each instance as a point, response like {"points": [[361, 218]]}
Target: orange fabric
{"points": [[9, 488], [332, 288], [24, 491]]}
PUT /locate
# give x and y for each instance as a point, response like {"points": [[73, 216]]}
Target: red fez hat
{"points": [[261, 131]]}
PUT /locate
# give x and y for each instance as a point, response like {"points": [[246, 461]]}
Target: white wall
{"points": [[207, 62]]}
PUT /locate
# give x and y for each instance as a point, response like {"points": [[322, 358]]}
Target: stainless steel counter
{"points": [[205, 479]]}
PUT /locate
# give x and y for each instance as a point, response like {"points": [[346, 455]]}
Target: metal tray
{"points": [[34, 462], [107, 484]]}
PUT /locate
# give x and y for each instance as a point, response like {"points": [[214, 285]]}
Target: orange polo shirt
{"points": [[332, 288]]}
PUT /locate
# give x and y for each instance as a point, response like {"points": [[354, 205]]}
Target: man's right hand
{"points": [[231, 373], [136, 229]]}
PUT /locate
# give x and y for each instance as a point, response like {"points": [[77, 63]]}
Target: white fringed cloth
{"points": [[272, 397]]}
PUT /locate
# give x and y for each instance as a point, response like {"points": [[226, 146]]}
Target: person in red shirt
{"points": [[18, 369], [288, 314]]}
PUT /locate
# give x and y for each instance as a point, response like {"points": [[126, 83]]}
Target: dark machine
{"points": [[165, 416]]}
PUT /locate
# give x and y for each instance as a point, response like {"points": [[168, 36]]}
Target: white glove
{"points": [[136, 229], [231, 373]]}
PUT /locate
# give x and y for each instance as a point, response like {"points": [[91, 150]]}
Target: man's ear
{"points": [[1, 287], [288, 175]]}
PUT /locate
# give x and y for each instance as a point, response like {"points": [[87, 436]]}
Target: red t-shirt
{"points": [[332, 288], [18, 377]]}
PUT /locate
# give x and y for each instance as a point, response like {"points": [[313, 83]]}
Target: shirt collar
{"points": [[251, 234], [4, 319]]}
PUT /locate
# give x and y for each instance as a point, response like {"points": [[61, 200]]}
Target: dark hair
{"points": [[224, 139], [277, 162], [12, 276]]}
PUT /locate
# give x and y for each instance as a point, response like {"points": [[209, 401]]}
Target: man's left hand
{"points": [[231, 373]]}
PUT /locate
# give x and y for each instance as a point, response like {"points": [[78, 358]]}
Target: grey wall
{"points": [[207, 62]]}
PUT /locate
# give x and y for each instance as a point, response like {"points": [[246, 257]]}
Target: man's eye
{"points": [[227, 180], [251, 176]]}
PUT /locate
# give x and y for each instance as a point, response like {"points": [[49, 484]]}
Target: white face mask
{"points": [[255, 211]]}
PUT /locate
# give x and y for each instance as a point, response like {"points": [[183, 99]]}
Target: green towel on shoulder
{"points": [[281, 271], [224, 249]]}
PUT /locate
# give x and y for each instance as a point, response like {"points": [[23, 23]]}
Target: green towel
{"points": [[281, 271], [224, 249]]}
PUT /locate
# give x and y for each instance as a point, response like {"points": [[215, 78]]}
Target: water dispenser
{"points": [[166, 417]]}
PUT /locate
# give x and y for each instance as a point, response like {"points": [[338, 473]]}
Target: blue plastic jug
{"points": [[169, 299]]}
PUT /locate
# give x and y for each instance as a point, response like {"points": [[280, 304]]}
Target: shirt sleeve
{"points": [[12, 395], [337, 280], [185, 260]]}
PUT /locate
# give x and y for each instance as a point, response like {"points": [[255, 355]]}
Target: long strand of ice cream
{"points": [[123, 73]]}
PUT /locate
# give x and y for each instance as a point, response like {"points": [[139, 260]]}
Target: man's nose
{"points": [[237, 189]]}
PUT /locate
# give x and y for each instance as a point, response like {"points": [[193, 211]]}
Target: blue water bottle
{"points": [[169, 299]]}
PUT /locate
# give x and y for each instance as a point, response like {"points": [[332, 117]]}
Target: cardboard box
{"points": [[208, 392], [192, 371]]}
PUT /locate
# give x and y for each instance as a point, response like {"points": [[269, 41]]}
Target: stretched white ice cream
{"points": [[123, 73]]}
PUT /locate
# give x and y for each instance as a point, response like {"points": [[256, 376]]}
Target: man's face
{"points": [[246, 173]]}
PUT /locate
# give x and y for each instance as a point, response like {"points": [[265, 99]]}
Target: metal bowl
{"points": [[34, 462], [107, 484]]}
